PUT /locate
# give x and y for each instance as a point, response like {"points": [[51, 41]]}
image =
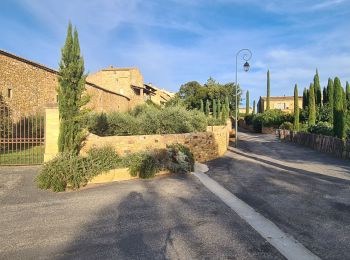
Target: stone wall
{"points": [[204, 145], [321, 143], [120, 80], [33, 87]]}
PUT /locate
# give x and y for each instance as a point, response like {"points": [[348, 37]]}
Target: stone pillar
{"points": [[52, 126]]}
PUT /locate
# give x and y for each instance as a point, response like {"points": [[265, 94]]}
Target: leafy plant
{"points": [[321, 128], [287, 126], [74, 170], [181, 159]]}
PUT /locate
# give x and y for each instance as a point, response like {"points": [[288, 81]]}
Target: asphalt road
{"points": [[305, 193], [164, 218]]}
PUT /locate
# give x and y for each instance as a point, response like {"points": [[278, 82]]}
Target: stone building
{"points": [[27, 87], [129, 82], [158, 96], [284, 103]]}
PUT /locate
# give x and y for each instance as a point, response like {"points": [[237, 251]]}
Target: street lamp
{"points": [[246, 55]]}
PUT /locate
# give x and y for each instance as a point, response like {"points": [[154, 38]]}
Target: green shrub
{"points": [[249, 119], [122, 124], [149, 119], [303, 127], [181, 159], [215, 121], [287, 126], [133, 161], [321, 128], [258, 122], [65, 169], [149, 166], [75, 170], [104, 159]]}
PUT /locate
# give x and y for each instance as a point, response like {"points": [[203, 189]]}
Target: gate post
{"points": [[52, 126]]}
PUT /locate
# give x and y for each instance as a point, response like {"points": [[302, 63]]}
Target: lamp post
{"points": [[246, 55]]}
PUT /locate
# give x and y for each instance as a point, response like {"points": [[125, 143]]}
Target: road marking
{"points": [[284, 243]]}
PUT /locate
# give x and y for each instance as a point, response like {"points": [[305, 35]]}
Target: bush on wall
{"points": [[74, 171], [146, 119]]}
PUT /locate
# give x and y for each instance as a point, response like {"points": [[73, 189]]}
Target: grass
{"points": [[29, 156]]}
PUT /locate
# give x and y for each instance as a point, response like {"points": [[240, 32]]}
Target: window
{"points": [[9, 93], [56, 98]]}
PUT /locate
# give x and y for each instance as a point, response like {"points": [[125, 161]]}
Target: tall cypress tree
{"points": [[247, 103], [219, 107], [254, 105], [268, 91], [201, 106], [296, 108], [70, 94], [305, 98], [312, 106], [325, 97], [348, 95], [338, 114], [207, 107], [330, 95], [317, 88], [214, 109]]}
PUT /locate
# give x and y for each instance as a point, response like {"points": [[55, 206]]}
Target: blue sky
{"points": [[175, 41]]}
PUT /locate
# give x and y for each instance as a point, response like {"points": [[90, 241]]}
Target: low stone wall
{"points": [[268, 130], [204, 145], [321, 143]]}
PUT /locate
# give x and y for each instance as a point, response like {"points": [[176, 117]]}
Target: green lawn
{"points": [[33, 155]]}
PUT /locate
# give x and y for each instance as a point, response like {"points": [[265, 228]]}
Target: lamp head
{"points": [[246, 66]]}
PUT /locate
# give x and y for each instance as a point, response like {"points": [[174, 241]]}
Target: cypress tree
{"points": [[296, 108], [304, 98], [312, 106], [224, 114], [201, 106], [268, 91], [214, 109], [207, 107], [247, 103], [254, 105], [70, 94], [348, 95], [330, 96], [227, 104], [317, 88], [338, 114], [325, 97], [219, 108]]}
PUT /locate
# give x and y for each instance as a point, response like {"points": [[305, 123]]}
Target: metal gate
{"points": [[21, 136]]}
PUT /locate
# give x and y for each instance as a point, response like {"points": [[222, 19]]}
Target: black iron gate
{"points": [[21, 136]]}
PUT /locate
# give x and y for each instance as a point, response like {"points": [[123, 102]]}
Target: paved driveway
{"points": [[164, 218], [305, 193]]}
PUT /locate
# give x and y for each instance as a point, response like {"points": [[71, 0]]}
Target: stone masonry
{"points": [[28, 87]]}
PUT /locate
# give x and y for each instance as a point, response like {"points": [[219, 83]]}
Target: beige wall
{"points": [[286, 105], [51, 133], [32, 87], [120, 80], [205, 146]]}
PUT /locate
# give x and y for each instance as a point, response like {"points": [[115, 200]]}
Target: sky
{"points": [[176, 41]]}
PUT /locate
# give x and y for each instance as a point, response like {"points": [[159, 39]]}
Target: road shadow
{"points": [[167, 224], [292, 169]]}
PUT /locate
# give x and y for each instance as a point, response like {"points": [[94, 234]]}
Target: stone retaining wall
{"points": [[321, 143], [204, 145]]}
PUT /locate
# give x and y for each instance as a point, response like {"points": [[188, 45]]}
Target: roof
{"points": [[43, 67], [111, 68], [281, 98]]}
